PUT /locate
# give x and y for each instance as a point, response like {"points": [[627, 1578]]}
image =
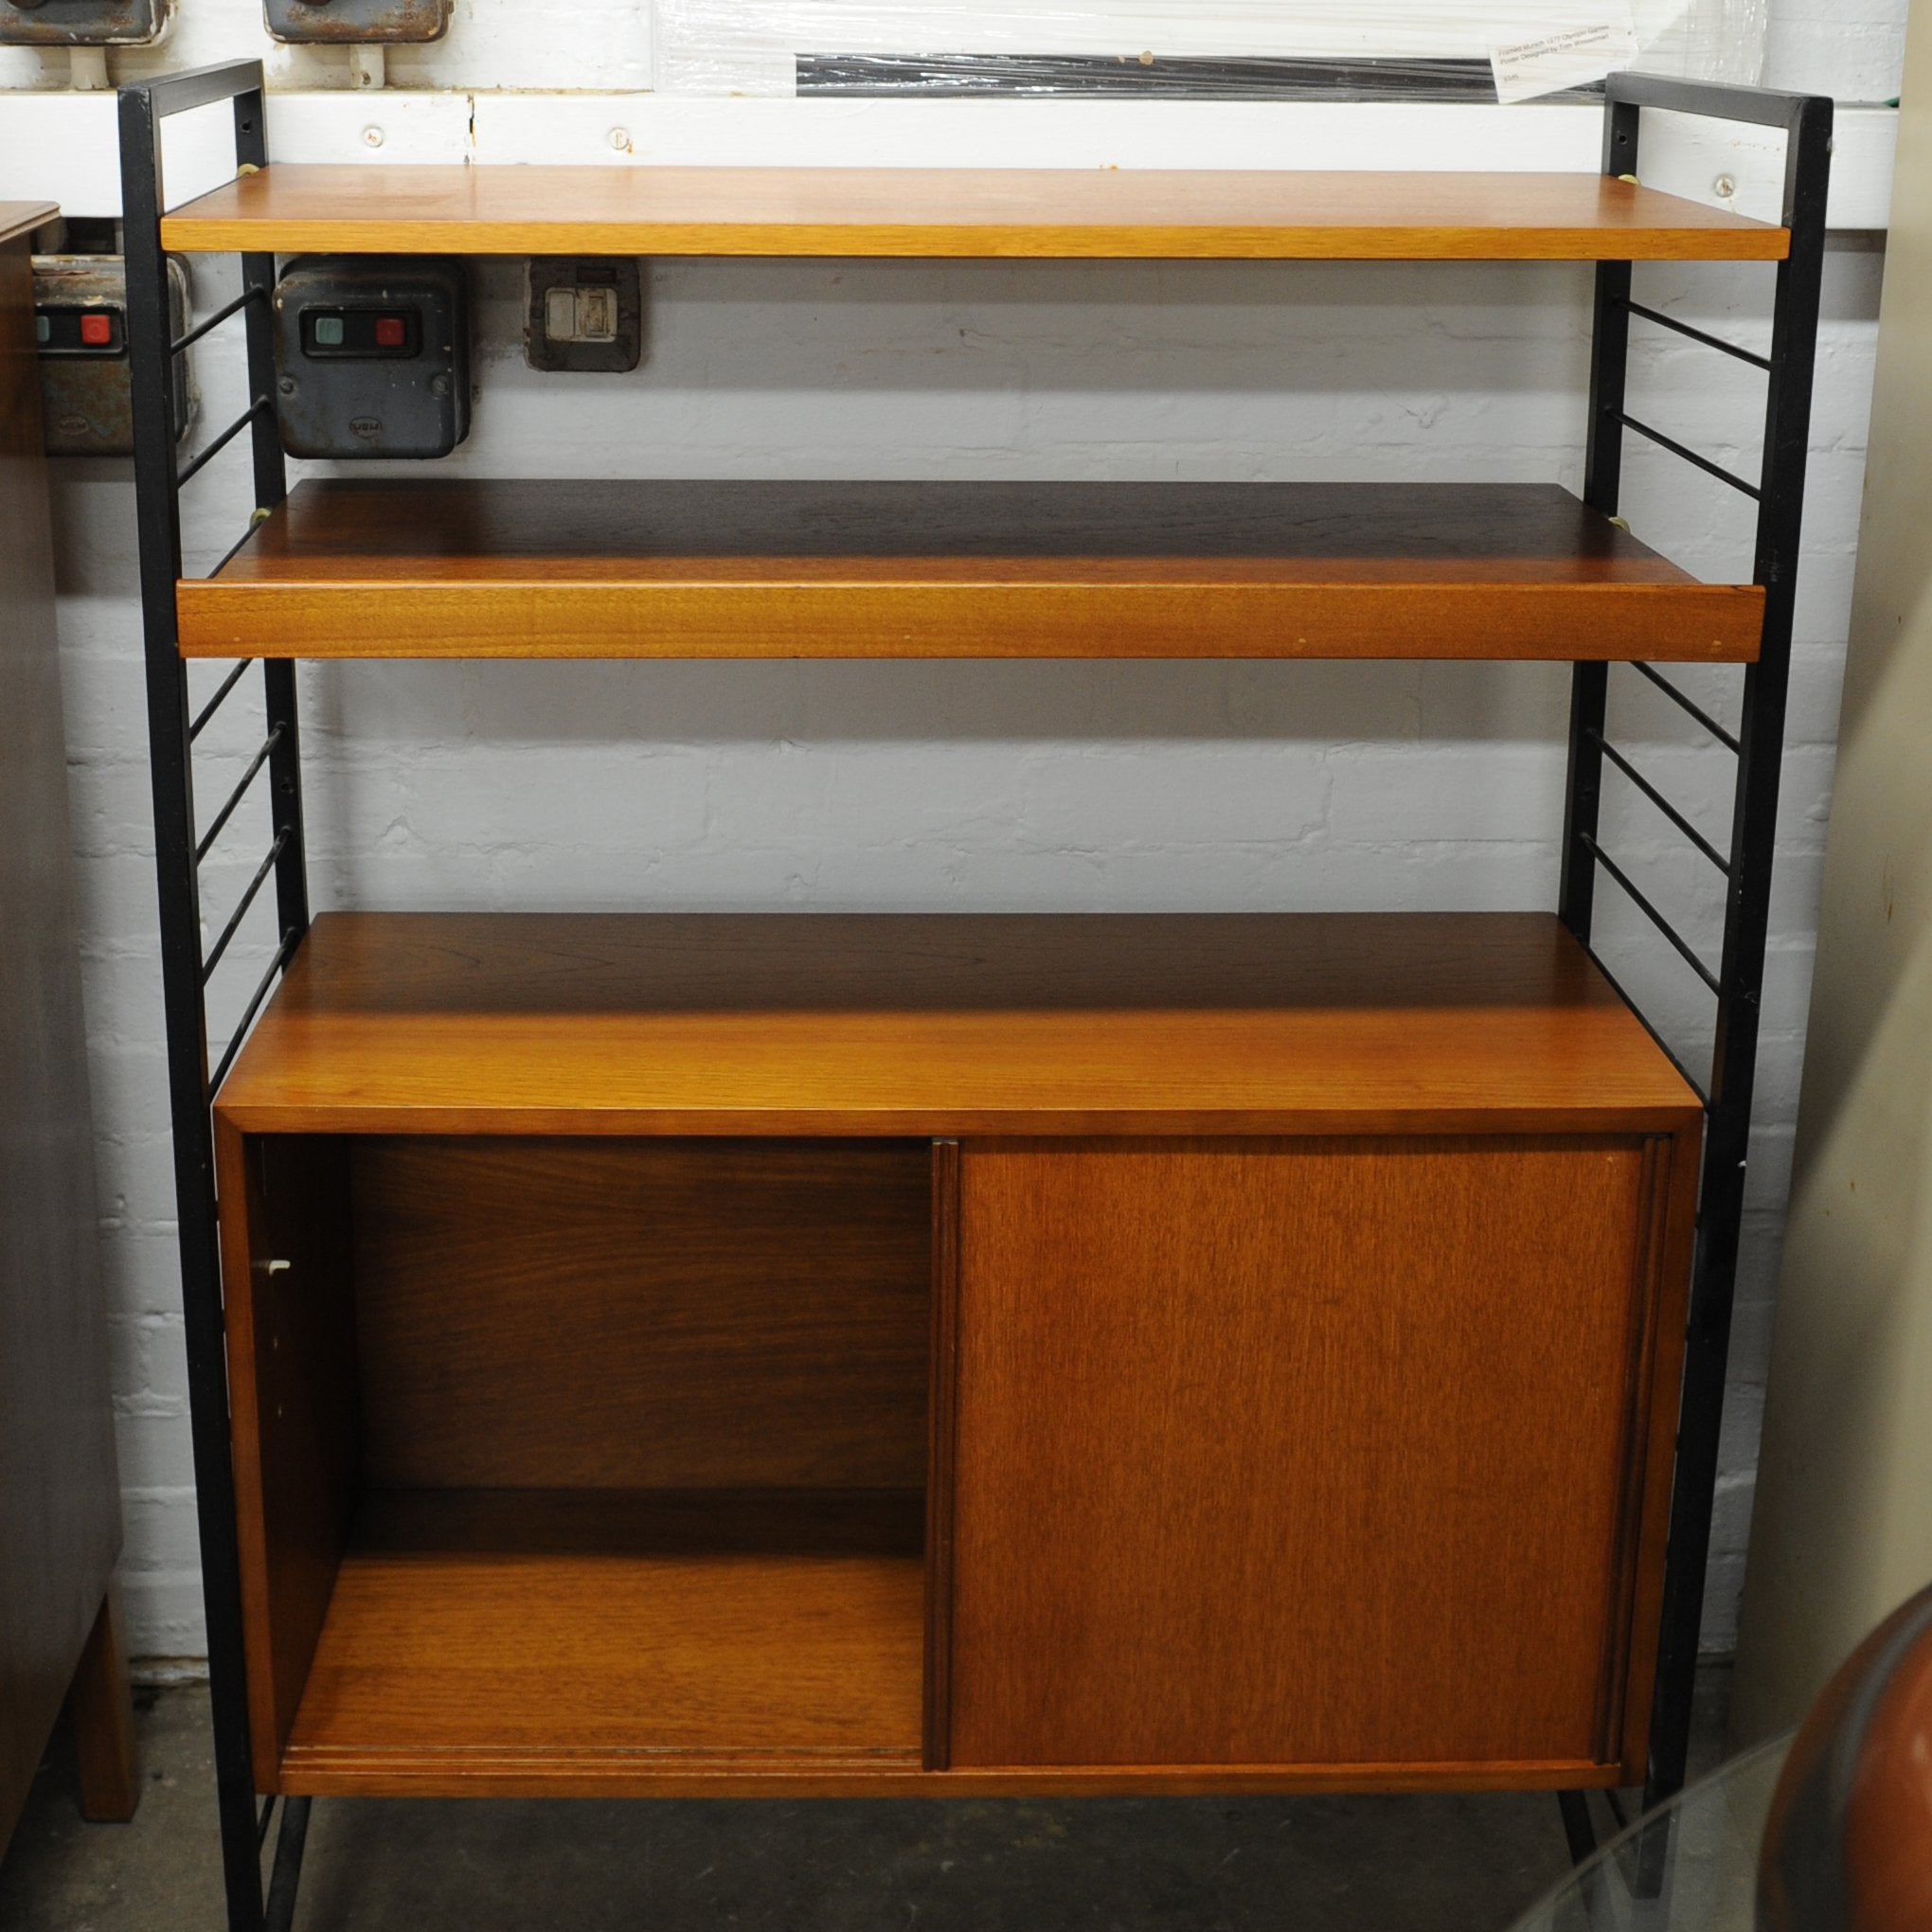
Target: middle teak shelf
{"points": [[682, 569]]}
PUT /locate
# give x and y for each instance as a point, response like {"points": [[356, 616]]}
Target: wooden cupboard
{"points": [[677, 1442]]}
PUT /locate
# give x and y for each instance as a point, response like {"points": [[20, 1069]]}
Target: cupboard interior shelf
{"points": [[942, 1024], [779, 569], [1270, 215], [581, 1638]]}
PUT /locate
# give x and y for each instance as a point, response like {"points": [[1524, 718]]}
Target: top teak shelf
{"points": [[1282, 215]]}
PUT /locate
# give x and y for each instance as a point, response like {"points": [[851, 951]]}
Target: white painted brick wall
{"points": [[948, 786]]}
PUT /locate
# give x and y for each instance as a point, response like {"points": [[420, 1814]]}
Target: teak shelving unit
{"points": [[983, 1354]]}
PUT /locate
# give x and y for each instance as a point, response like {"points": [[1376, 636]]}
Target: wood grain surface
{"points": [[60, 1491], [919, 1026], [1276, 214], [942, 1384], [106, 1761], [545, 1645], [858, 570], [611, 1632], [654, 1314], [18, 219], [289, 1303], [1307, 1452], [1669, 1236]]}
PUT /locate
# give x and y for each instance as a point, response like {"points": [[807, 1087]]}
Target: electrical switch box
{"points": [[583, 314], [82, 23], [81, 327], [373, 355], [355, 23]]}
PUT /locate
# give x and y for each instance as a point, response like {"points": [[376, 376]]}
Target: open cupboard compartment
{"points": [[557, 1459], [1319, 1381]]}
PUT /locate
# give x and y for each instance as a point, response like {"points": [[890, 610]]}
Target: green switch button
{"points": [[328, 331]]}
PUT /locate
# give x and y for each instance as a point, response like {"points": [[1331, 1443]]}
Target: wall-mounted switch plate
{"points": [[372, 354], [81, 326], [82, 23], [355, 23], [583, 314]]}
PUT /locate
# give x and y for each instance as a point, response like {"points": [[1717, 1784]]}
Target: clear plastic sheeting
{"points": [[1231, 49]]}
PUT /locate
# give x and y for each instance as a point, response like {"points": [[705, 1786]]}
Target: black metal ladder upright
{"points": [[1736, 984], [179, 850]]}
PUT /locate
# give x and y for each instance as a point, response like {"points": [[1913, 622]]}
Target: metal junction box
{"points": [[357, 23], [584, 315], [82, 23], [373, 353], [79, 324]]}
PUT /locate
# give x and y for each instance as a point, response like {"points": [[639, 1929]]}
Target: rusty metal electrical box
{"points": [[583, 314], [79, 325], [82, 23], [372, 354], [356, 23]]}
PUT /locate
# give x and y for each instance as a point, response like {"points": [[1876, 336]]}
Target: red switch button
{"points": [[389, 332], [97, 332]]}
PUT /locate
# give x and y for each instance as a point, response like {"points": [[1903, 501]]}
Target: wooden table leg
{"points": [[105, 1718]]}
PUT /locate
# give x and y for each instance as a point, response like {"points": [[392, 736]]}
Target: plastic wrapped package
{"points": [[1235, 49]]}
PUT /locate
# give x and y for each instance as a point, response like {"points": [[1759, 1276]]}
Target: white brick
{"points": [[164, 1609], [149, 1360]]}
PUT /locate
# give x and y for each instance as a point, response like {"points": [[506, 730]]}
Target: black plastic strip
{"points": [[1157, 76]]}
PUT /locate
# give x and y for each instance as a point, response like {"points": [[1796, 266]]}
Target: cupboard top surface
{"points": [[937, 1025], [1275, 214]]}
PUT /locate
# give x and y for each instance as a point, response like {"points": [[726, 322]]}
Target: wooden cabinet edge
{"points": [[305, 1773], [1673, 1234], [1159, 621], [266, 1735], [866, 1123], [939, 1464]]}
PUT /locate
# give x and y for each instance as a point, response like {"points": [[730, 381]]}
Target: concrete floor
{"points": [[1122, 1864]]}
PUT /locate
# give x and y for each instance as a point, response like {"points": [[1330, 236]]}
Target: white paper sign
{"points": [[1568, 56]]}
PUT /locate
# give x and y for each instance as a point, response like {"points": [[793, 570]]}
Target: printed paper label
{"points": [[1569, 57]]}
